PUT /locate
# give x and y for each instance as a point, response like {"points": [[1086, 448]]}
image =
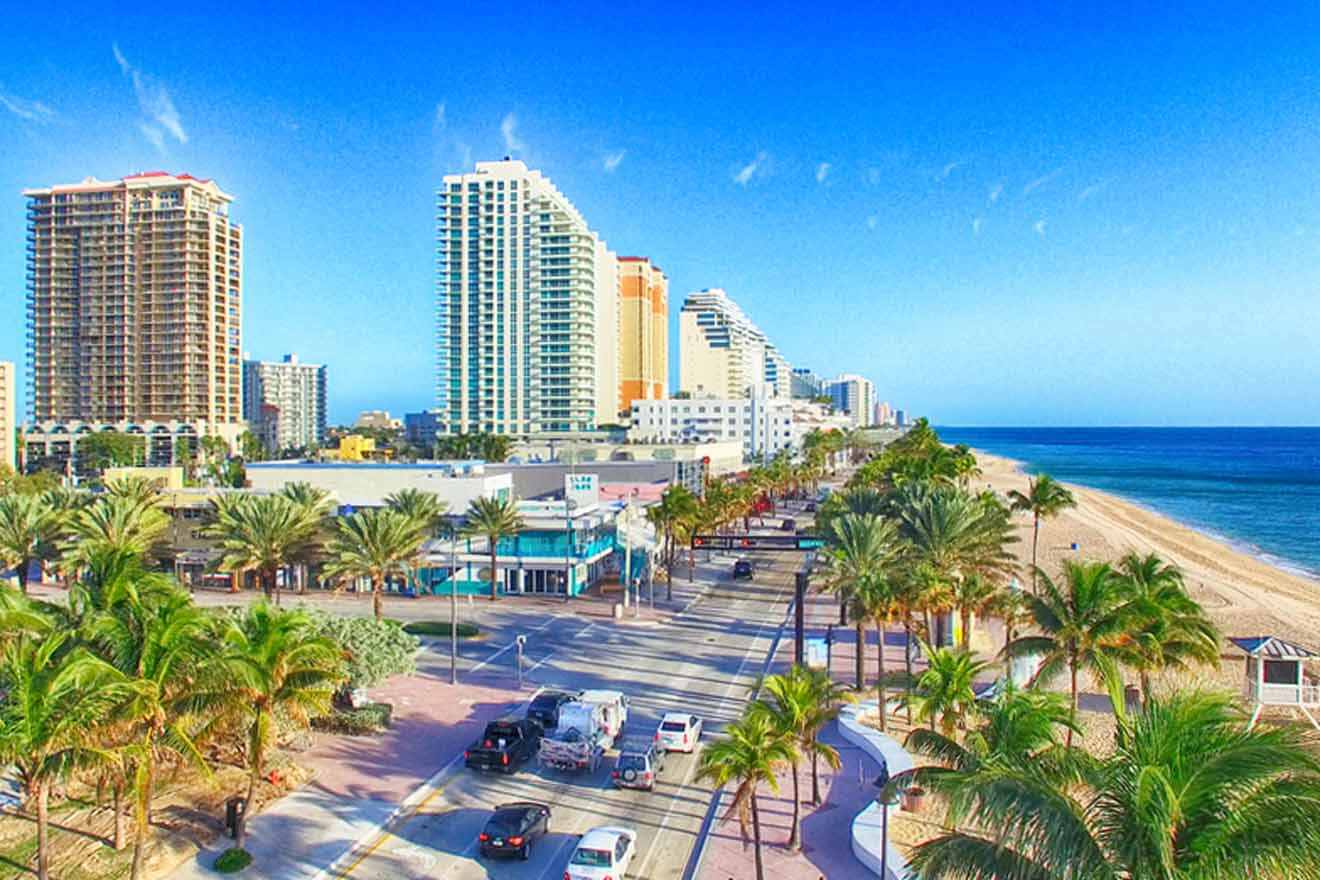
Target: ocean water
{"points": [[1256, 488]]}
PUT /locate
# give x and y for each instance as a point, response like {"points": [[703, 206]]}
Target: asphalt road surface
{"points": [[704, 661]]}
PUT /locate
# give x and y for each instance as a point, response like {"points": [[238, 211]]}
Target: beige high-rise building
{"points": [[643, 331], [721, 353], [8, 394], [134, 302]]}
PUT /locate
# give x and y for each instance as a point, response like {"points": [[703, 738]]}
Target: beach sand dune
{"points": [[1244, 595]]}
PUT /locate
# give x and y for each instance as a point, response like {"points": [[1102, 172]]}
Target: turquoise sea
{"points": [[1256, 488]]}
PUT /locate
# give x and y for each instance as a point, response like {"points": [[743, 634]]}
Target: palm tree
{"points": [[127, 521], [262, 532], [1044, 498], [675, 506], [973, 595], [1167, 629], [316, 504], [493, 519], [29, 528], [375, 543], [162, 645], [944, 692], [424, 508], [1019, 731], [281, 672], [59, 697], [798, 703], [1189, 793], [1012, 607], [863, 548], [748, 756], [1079, 629], [876, 599]]}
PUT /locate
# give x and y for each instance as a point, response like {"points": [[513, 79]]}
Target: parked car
{"points": [[788, 525], [810, 507], [504, 745], [678, 732], [602, 853], [544, 707], [742, 570], [639, 765], [512, 827]]}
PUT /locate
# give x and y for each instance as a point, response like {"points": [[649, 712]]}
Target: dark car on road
{"points": [[789, 525], [810, 507], [544, 707], [742, 570], [504, 745], [512, 828]]}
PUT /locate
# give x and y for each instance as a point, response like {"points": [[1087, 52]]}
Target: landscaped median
{"points": [[867, 827]]}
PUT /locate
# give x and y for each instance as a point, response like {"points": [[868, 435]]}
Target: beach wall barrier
{"points": [[866, 825]]}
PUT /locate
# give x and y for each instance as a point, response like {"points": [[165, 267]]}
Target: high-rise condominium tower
{"points": [[723, 354], [643, 331], [284, 402], [526, 307], [855, 396], [134, 301]]}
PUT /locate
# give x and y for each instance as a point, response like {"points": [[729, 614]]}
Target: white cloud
{"points": [[32, 111], [1090, 191], [1039, 226], [872, 222], [612, 161], [1040, 181], [153, 134], [976, 225], [155, 103], [465, 152], [750, 170], [995, 192], [440, 115], [947, 170], [822, 172], [509, 130]]}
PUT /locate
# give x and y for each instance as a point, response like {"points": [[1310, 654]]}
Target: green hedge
{"points": [[372, 718], [233, 860], [375, 649], [440, 628]]}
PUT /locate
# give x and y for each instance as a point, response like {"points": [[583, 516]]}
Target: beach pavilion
{"points": [[1276, 677]]}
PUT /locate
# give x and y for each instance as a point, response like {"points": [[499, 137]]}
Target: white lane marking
{"points": [[511, 644], [728, 691], [538, 663]]}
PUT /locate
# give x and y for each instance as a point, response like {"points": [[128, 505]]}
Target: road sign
{"points": [[800, 543]]}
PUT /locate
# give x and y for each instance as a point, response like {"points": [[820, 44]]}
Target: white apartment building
{"points": [[284, 402], [723, 354], [527, 315], [763, 425], [855, 396], [8, 395]]}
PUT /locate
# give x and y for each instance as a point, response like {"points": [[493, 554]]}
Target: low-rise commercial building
{"points": [[698, 461], [763, 426], [366, 484], [53, 446]]}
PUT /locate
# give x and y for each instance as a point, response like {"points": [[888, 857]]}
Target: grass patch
{"points": [[233, 860], [440, 628], [372, 718]]}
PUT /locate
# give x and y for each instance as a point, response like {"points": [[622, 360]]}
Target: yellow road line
{"points": [[387, 835]]}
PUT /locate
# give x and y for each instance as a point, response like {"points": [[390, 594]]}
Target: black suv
{"points": [[512, 828], [742, 570], [544, 708]]}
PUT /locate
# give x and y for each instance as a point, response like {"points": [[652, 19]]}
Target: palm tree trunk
{"points": [[793, 843], [302, 579], [907, 664], [966, 615], [494, 588], [859, 659], [240, 833], [692, 564], [1035, 539], [117, 792], [815, 779], [669, 565], [143, 818], [43, 823], [880, 670], [756, 839], [23, 575], [1145, 688], [1072, 671], [378, 596]]}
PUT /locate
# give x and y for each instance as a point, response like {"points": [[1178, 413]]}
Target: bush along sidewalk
{"points": [[441, 628], [368, 719]]}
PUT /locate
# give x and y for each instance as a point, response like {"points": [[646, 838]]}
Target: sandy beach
{"points": [[1245, 596]]}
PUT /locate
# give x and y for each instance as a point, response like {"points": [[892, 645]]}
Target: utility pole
{"points": [[453, 607]]}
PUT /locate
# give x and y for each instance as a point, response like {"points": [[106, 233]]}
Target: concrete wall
{"points": [[367, 484]]}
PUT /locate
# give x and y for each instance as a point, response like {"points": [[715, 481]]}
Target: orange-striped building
{"points": [[643, 332]]}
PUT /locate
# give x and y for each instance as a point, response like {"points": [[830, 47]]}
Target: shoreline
{"points": [[1245, 594]]}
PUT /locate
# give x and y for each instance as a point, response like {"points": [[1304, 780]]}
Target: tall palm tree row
{"points": [[1044, 498], [376, 544], [265, 533], [493, 519], [677, 506]]}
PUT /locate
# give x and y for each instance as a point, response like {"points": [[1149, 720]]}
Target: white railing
{"points": [[1285, 694]]}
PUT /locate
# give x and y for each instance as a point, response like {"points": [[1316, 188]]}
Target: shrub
{"points": [[233, 860], [371, 718], [375, 649], [440, 628]]}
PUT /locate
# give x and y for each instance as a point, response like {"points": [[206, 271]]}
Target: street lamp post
{"points": [[885, 799], [569, 504], [453, 606]]}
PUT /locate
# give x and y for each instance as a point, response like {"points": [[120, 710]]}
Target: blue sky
{"points": [[1001, 213]]}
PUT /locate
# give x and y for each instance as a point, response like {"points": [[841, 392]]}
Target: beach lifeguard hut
{"points": [[1277, 677]]}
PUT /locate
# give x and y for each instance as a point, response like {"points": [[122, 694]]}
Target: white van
{"points": [[615, 707]]}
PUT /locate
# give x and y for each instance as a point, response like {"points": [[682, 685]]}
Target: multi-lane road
{"points": [[704, 660]]}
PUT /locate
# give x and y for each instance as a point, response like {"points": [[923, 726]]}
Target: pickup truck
{"points": [[580, 740], [505, 744]]}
